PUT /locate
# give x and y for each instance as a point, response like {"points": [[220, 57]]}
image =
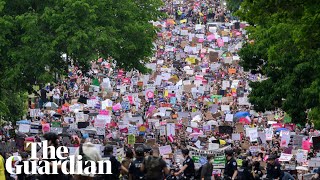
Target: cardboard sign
{"points": [[213, 56], [239, 128]]}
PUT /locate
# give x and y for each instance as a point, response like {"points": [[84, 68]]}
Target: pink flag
{"points": [[170, 138]]}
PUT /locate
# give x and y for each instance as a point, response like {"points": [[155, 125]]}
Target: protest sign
{"points": [[131, 139], [269, 134], [253, 135], [316, 143], [285, 139], [165, 150], [225, 130], [285, 157], [229, 117], [236, 137], [24, 128], [213, 146]]}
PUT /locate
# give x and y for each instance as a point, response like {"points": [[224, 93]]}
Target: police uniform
{"points": [[134, 169], [274, 171], [230, 167], [189, 172]]}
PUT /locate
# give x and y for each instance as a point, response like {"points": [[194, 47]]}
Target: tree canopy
{"points": [[285, 49], [35, 34]]}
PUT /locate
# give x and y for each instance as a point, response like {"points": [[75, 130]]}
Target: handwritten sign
{"points": [[165, 150]]}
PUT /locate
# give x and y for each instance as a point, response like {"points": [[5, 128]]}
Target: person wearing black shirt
{"points": [[188, 166], [231, 169], [244, 172], [134, 168], [115, 164], [273, 168], [24, 176], [53, 140], [257, 172]]}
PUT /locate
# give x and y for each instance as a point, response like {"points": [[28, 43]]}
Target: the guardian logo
{"points": [[68, 165]]}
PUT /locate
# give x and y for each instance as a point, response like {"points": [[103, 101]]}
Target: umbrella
{"points": [[241, 114], [51, 105], [23, 122], [244, 120]]}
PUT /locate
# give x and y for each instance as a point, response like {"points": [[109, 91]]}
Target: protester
{"points": [[88, 152], [115, 164], [206, 172], [154, 167], [125, 164], [195, 98]]}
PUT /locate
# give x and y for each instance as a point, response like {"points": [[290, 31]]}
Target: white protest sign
{"points": [[285, 157], [302, 156], [253, 134], [162, 130], [225, 108], [68, 120], [101, 130], [225, 85], [171, 129], [165, 150], [24, 128], [229, 117], [269, 134], [285, 138], [213, 146], [79, 117], [236, 137], [102, 120], [35, 112], [189, 130]]}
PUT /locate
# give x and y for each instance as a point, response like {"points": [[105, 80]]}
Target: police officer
{"points": [[273, 168], [231, 169], [115, 164], [134, 169], [188, 166]]}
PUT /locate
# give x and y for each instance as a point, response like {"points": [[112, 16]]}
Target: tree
{"points": [[233, 5], [35, 34], [285, 49]]}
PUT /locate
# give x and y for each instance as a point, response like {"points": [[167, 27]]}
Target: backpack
{"points": [[84, 158], [152, 166]]}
